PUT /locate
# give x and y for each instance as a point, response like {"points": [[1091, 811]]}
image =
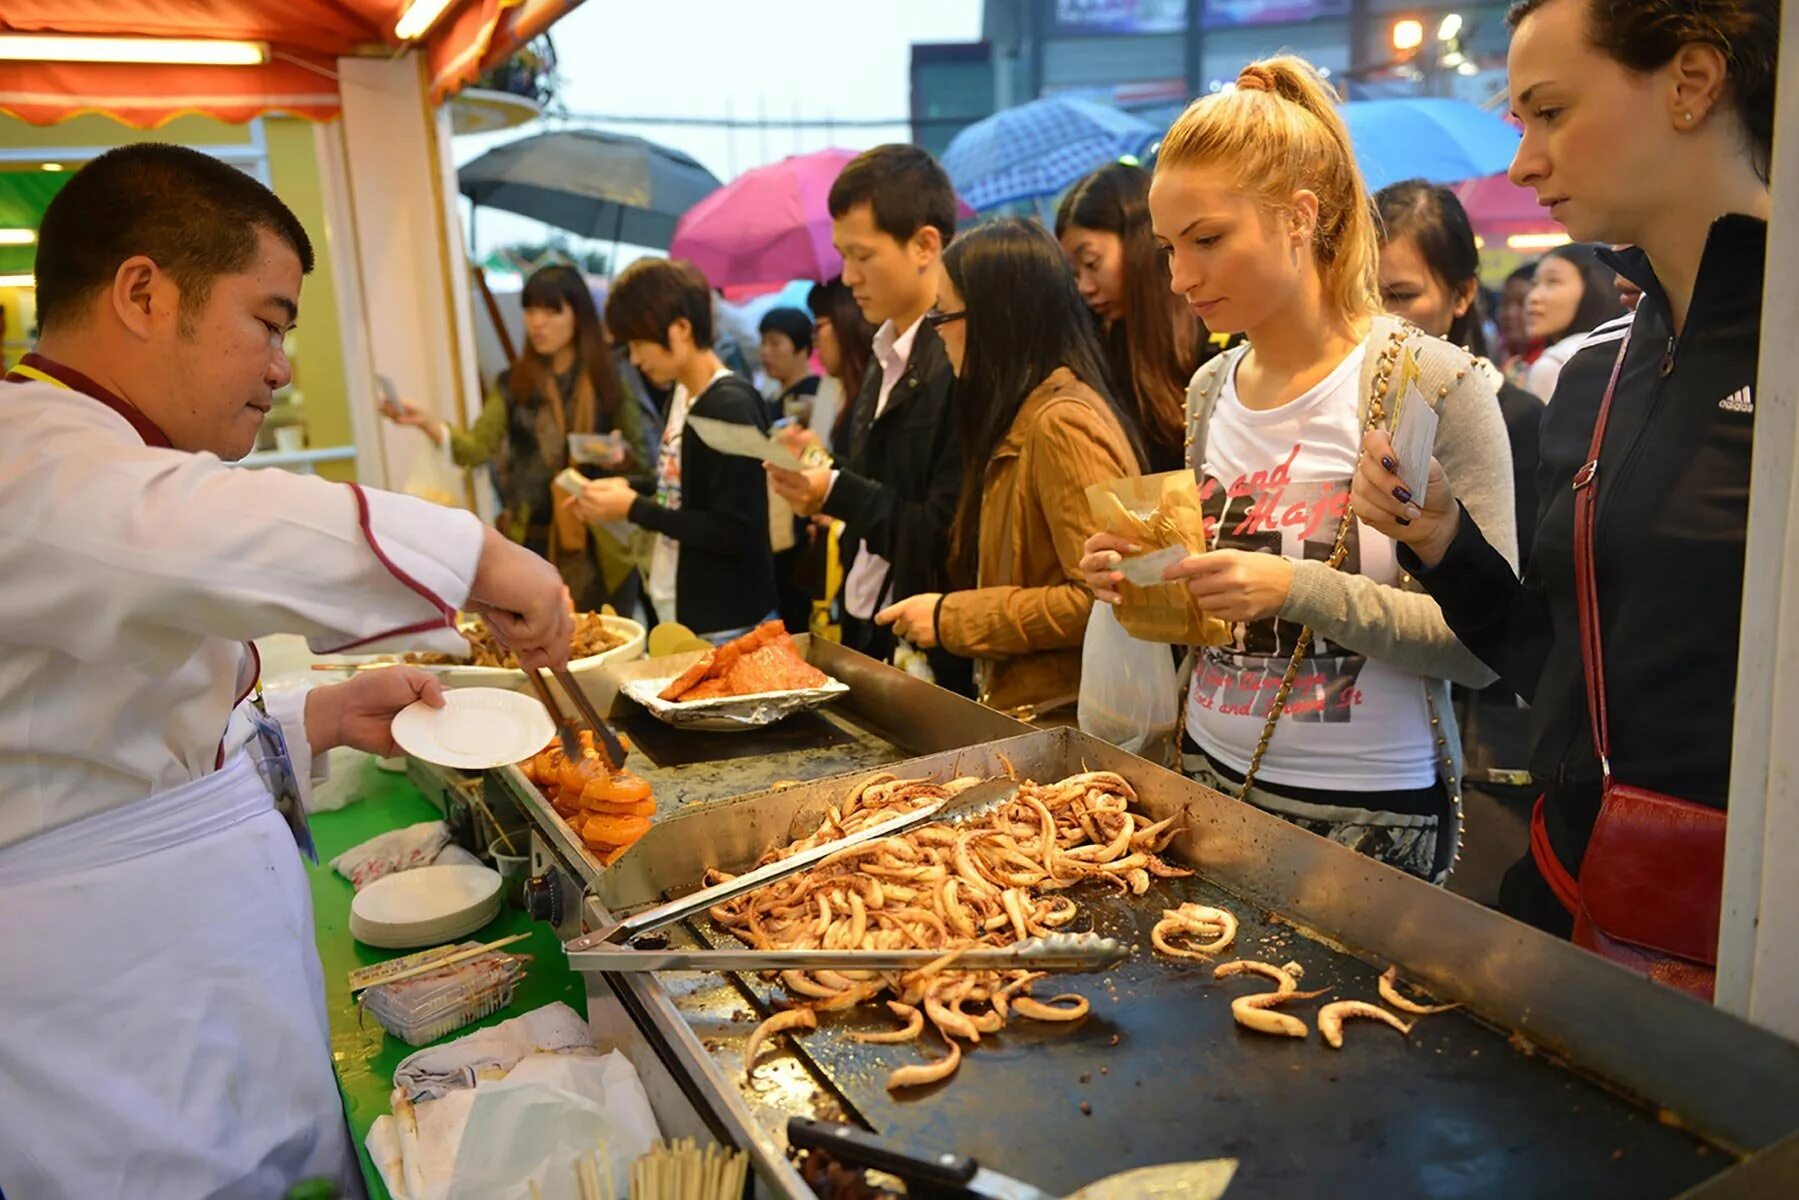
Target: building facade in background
{"points": [[1153, 56]]}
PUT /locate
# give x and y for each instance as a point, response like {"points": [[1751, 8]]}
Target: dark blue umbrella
{"points": [[598, 185], [1040, 148], [1441, 141]]}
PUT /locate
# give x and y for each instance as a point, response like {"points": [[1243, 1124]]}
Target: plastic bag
{"points": [[1129, 688]]}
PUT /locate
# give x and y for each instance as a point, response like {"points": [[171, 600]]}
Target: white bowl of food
{"points": [[600, 638]]}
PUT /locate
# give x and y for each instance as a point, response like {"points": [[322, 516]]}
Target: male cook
{"points": [[162, 1021]]}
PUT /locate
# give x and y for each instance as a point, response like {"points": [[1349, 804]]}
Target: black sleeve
{"points": [[1503, 621], [732, 517], [891, 525]]}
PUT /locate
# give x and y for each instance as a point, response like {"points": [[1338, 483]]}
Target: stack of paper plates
{"points": [[425, 907]]}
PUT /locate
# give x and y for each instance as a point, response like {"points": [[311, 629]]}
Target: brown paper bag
{"points": [[1156, 511]]}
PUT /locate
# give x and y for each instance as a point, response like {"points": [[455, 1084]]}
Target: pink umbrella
{"points": [[1497, 208], [769, 225]]}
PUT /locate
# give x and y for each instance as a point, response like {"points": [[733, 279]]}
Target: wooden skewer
{"points": [[487, 812], [440, 963]]}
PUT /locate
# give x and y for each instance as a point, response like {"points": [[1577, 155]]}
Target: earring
{"points": [[1689, 117]]}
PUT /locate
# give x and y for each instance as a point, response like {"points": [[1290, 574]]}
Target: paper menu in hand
{"points": [[1145, 570], [744, 441], [1414, 437]]}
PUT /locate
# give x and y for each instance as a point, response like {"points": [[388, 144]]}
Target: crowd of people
{"points": [[1244, 310], [1239, 310]]}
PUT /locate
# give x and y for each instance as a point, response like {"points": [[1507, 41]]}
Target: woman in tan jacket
{"points": [[1038, 423]]}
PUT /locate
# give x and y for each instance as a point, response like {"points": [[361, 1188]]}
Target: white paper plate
{"points": [[476, 729], [425, 907]]}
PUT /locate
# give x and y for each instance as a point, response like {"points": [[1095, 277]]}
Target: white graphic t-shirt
{"points": [[1277, 482]]}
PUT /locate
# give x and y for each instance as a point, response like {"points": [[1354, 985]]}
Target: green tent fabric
{"points": [[24, 195]]}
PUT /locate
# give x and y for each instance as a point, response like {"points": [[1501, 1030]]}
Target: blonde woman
{"points": [[1330, 704]]}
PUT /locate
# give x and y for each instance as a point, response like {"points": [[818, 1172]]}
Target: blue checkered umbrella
{"points": [[1040, 148]]}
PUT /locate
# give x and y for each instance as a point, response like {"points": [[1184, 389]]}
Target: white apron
{"points": [[163, 1033]]}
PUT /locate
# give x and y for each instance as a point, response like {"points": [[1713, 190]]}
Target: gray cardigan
{"points": [[1402, 625]]}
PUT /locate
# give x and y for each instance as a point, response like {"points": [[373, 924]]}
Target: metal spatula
{"points": [[969, 803], [1071, 952]]}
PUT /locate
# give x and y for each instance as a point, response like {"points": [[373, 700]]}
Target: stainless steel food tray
{"points": [[1565, 1075]]}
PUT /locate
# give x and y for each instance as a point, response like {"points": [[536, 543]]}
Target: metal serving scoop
{"points": [[969, 803]]}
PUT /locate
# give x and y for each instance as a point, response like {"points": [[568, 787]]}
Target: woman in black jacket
{"points": [[1650, 124], [710, 567], [1430, 275]]}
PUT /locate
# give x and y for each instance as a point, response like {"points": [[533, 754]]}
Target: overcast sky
{"points": [[714, 58]]}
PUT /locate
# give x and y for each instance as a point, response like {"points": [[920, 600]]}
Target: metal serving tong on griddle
{"points": [[1076, 952], [565, 725], [969, 803], [938, 1175]]}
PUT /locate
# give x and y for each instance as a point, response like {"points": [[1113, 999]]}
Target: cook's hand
{"points": [[522, 599], [804, 491], [405, 412], [602, 501], [1235, 585], [360, 712], [914, 618], [1099, 558], [1384, 502]]}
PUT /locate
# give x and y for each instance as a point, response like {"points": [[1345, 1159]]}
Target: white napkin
{"points": [[396, 850], [492, 1141], [489, 1053]]}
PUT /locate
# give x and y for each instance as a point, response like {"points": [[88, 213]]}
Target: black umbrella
{"points": [[598, 185]]}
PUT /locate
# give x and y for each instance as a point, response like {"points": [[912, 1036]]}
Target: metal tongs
{"points": [[970, 802], [1075, 952], [566, 729]]}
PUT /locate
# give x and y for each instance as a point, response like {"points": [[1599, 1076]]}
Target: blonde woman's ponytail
{"points": [[1280, 130]]}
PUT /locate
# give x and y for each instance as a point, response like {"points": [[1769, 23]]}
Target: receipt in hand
{"points": [[744, 441], [1145, 570], [1414, 437]]}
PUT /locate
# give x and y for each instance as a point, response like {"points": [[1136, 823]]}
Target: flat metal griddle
{"points": [[1454, 1111]]}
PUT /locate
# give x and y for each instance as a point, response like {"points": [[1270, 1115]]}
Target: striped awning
{"points": [[305, 37]]}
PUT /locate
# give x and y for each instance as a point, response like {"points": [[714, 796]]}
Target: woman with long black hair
{"points": [[1571, 295], [845, 343], [1430, 275], [1153, 343], [1036, 425], [1649, 124], [564, 384]]}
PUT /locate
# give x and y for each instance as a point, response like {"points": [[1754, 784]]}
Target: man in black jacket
{"points": [[892, 213], [711, 568]]}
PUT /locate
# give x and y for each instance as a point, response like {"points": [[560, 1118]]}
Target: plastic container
{"points": [[512, 867], [422, 1009]]}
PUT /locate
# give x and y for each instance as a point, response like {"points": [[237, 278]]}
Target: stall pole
{"points": [[1758, 956]]}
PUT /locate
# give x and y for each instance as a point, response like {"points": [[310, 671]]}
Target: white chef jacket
{"points": [[132, 576]]}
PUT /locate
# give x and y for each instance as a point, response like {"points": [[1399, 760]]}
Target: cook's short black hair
{"points": [[195, 217], [793, 323], [906, 188], [652, 294]]}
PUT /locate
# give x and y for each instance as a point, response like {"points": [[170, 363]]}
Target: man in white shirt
{"points": [[162, 1023], [892, 213]]}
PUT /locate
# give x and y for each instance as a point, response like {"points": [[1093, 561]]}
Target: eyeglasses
{"points": [[937, 319]]}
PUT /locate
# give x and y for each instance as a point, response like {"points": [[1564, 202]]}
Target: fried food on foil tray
{"points": [[609, 810], [762, 660]]}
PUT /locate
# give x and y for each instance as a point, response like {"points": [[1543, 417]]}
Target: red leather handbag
{"points": [[1651, 885]]}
